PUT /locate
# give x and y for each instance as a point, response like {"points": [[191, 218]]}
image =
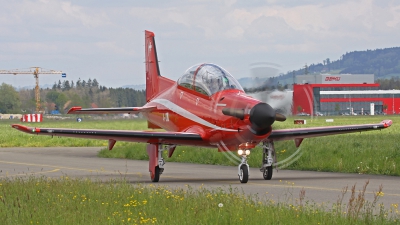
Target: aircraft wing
{"points": [[177, 138], [134, 110], [301, 133]]}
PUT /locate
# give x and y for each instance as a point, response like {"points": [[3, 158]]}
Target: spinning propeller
{"points": [[261, 117], [265, 84]]}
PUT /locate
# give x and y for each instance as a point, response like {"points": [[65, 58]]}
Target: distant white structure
{"points": [[264, 69], [279, 100]]}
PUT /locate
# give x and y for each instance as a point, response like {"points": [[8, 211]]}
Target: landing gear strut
{"points": [[268, 159], [156, 161]]}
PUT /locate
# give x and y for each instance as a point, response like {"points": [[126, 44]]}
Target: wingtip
{"points": [[387, 123], [25, 128], [74, 109]]}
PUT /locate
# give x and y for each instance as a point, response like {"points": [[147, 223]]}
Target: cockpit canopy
{"points": [[208, 79]]}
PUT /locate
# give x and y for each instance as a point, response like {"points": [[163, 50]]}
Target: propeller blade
{"points": [[238, 113], [280, 117]]}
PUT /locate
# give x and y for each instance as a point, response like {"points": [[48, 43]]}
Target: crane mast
{"points": [[35, 71]]}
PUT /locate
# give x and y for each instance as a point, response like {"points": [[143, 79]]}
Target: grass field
{"points": [[71, 201], [373, 152]]}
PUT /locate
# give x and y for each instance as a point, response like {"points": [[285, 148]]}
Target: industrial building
{"points": [[343, 94]]}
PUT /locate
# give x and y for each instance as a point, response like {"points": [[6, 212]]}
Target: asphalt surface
{"points": [[319, 187]]}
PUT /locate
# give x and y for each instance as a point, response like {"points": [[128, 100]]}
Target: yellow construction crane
{"points": [[35, 71]]}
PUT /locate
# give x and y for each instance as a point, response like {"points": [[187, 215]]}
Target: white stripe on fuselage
{"points": [[183, 112]]}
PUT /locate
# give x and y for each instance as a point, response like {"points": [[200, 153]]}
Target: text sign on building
{"points": [[336, 79], [347, 78], [332, 78]]}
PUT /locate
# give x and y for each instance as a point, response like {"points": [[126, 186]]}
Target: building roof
{"points": [[366, 92]]}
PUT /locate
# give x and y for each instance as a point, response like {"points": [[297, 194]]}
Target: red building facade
{"points": [[336, 99]]}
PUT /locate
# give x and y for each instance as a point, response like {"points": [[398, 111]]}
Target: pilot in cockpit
{"points": [[225, 84], [219, 84], [214, 85]]}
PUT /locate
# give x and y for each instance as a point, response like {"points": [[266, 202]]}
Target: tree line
{"points": [[66, 94], [380, 62]]}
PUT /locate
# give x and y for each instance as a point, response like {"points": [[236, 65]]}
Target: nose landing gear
{"points": [[268, 159], [243, 168]]}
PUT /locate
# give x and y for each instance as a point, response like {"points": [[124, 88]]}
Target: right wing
{"points": [[173, 138], [301, 133], [133, 110]]}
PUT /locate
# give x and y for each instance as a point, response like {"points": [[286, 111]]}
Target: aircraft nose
{"points": [[262, 116]]}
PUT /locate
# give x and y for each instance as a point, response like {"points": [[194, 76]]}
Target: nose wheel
{"points": [[243, 168], [243, 174]]}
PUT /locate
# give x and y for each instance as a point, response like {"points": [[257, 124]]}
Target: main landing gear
{"points": [[267, 162], [267, 159], [156, 161]]}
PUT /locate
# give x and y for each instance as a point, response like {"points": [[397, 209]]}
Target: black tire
{"points": [[244, 174], [267, 174], [156, 176]]}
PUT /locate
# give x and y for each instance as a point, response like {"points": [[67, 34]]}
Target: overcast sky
{"points": [[104, 39]]}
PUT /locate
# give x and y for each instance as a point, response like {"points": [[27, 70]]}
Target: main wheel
{"points": [[267, 174], [244, 174], [156, 176]]}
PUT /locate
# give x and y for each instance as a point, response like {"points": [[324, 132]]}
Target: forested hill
{"points": [[381, 62], [384, 63]]}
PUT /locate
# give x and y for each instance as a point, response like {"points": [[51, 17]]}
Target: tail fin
{"points": [[152, 69]]}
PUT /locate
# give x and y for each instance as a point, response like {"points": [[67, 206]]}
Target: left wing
{"points": [[79, 110], [301, 133], [177, 138]]}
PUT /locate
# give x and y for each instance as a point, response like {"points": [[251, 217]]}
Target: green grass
{"points": [[10, 137], [373, 152], [83, 201]]}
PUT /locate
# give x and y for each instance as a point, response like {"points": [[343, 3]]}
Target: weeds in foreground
{"points": [[83, 201]]}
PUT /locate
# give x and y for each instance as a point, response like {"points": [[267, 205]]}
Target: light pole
{"points": [[393, 103], [351, 110]]}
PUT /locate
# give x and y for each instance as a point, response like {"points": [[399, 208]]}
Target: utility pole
{"points": [[305, 69]]}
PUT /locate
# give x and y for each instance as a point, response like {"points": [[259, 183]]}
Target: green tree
{"points": [[61, 100], [66, 86], [59, 85], [89, 83], [95, 83], [78, 83], [57, 98], [9, 99], [337, 108], [385, 107], [299, 108]]}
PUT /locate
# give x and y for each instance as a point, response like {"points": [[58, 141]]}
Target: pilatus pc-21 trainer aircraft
{"points": [[206, 107]]}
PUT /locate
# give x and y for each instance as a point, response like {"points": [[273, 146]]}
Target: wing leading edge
{"points": [[177, 138], [301, 133], [79, 110]]}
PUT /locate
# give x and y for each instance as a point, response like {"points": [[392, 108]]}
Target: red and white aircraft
{"points": [[205, 107]]}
